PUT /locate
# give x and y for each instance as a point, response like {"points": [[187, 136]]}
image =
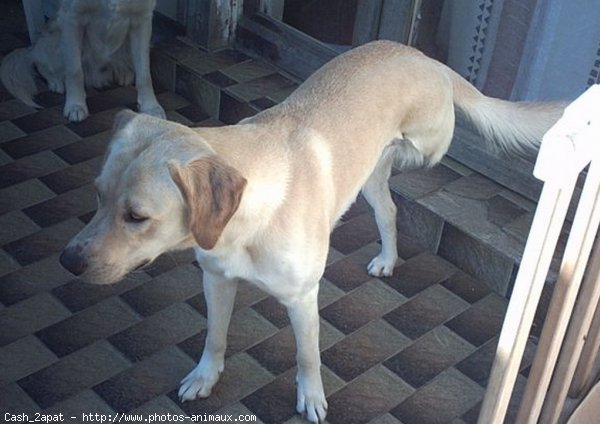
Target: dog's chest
{"points": [[240, 263], [108, 23]]}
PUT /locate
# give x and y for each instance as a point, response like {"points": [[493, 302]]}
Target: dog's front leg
{"points": [[71, 44], [304, 315], [219, 293], [140, 54]]}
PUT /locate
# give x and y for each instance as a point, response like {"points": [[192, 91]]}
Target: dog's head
{"points": [[153, 198]]}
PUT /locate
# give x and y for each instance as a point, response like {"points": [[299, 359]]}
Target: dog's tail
{"points": [[17, 75], [514, 127]]}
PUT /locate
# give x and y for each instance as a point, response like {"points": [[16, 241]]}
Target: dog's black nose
{"points": [[72, 259]]}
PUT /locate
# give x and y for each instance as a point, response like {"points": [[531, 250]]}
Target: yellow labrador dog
{"points": [[258, 200], [91, 42]]}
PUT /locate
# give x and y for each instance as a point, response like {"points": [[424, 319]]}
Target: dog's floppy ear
{"points": [[123, 118], [213, 191]]}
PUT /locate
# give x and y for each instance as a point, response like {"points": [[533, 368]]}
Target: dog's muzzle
{"points": [[72, 259]]}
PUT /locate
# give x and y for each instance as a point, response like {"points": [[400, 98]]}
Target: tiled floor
{"points": [[413, 348]]}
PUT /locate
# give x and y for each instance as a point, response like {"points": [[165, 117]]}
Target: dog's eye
{"points": [[135, 218]]}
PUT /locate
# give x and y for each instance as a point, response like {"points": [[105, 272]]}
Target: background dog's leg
{"points": [[219, 293], [304, 315], [140, 54], [71, 44], [377, 193]]}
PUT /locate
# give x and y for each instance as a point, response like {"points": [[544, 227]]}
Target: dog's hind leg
{"points": [[219, 293], [377, 193]]}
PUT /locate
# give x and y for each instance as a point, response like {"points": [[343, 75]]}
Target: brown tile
{"points": [[274, 402], [29, 316], [430, 355], [15, 225], [247, 328], [161, 405], [77, 295], [85, 149], [370, 301], [7, 263], [78, 371], [198, 90], [466, 287], [194, 113], [247, 295], [174, 286], [262, 103], [9, 131], [502, 211], [22, 195], [172, 101], [447, 397], [90, 325], [231, 388], [354, 233], [474, 186], [16, 401], [41, 120], [45, 242], [277, 353], [110, 98], [32, 279], [430, 308], [219, 79], [420, 272], [203, 63], [364, 349], [274, 311], [167, 327], [369, 396], [417, 183], [32, 166], [171, 260], [233, 110], [351, 271], [13, 109], [96, 123], [23, 357], [73, 177], [5, 158], [72, 203], [256, 88], [137, 384], [482, 321], [81, 405], [249, 70], [45, 139]]}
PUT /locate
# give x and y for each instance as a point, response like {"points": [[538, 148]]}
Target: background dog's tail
{"points": [[17, 75], [516, 127]]}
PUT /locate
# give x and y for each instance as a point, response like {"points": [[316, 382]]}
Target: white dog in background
{"points": [[93, 43]]}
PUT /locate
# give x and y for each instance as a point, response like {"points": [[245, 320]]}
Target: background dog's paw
{"points": [[153, 109], [76, 112], [381, 267], [199, 382]]}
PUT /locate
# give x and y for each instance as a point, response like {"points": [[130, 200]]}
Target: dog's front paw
{"points": [[153, 109], [311, 398], [76, 112], [381, 266], [199, 382]]}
